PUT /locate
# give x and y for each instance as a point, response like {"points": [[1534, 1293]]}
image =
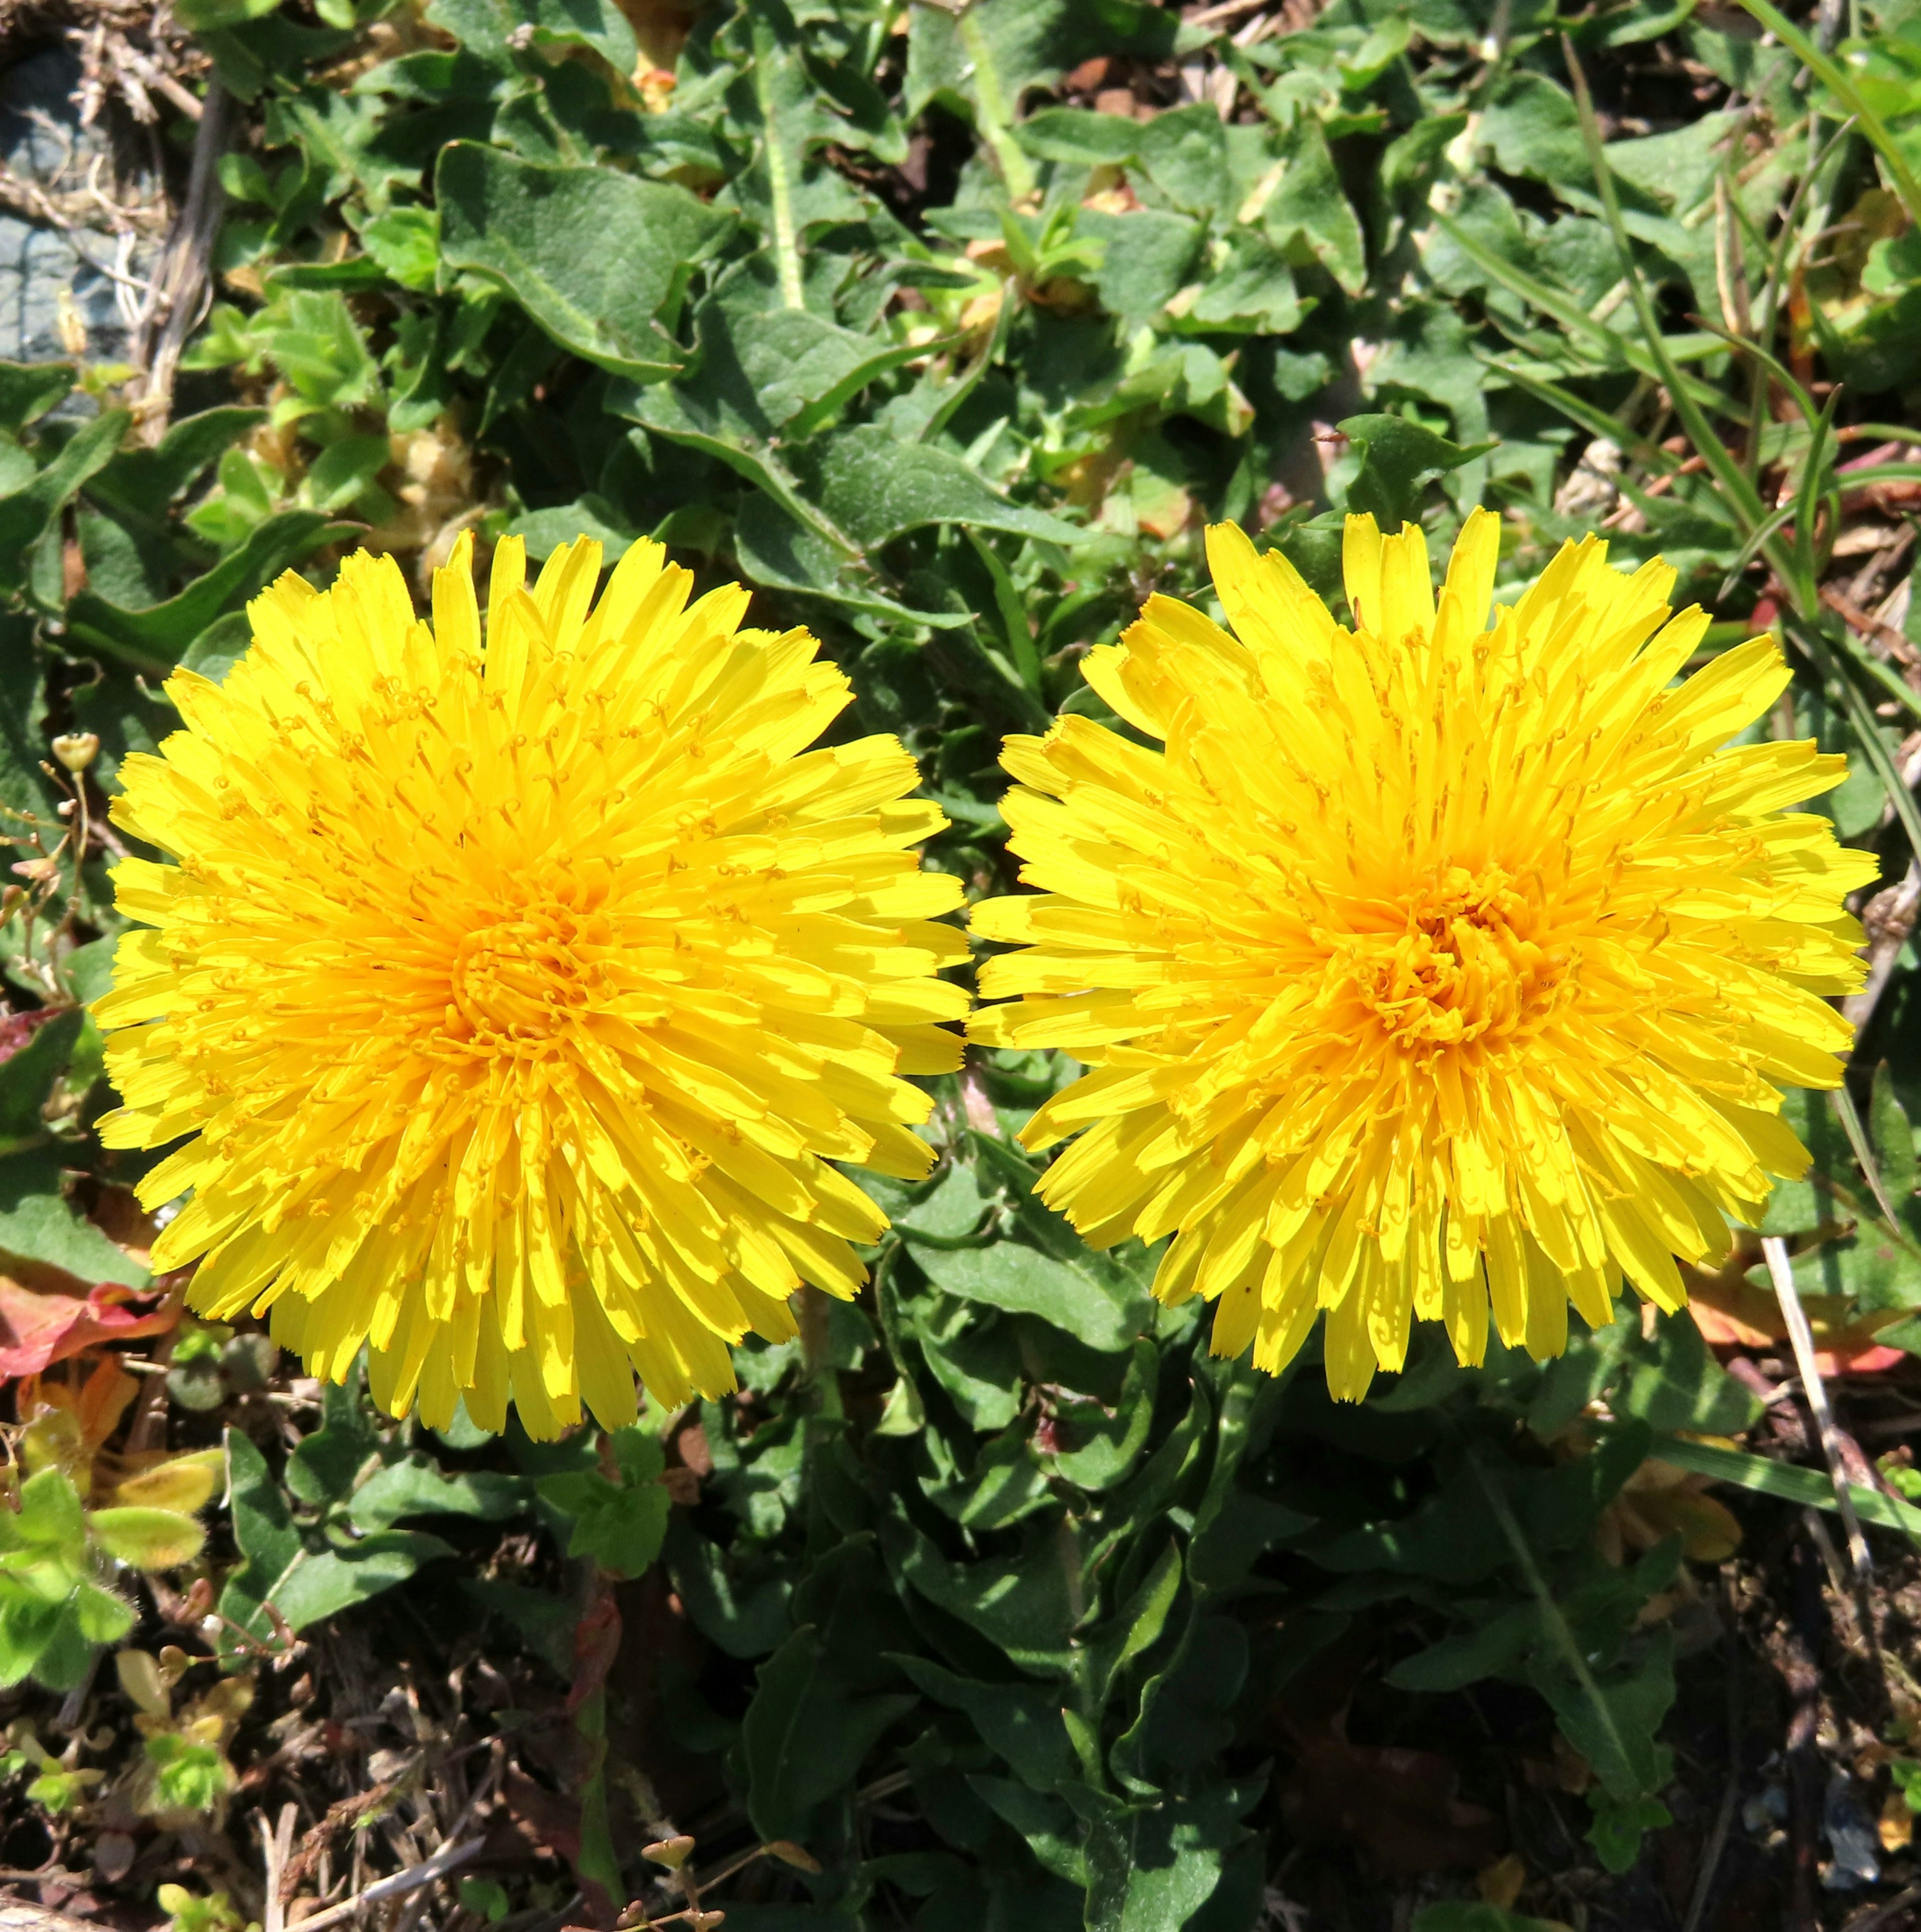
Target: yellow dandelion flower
{"points": [[516, 996], [1448, 961]]}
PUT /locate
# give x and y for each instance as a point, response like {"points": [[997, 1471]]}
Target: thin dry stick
{"points": [[1890, 919], [1782, 1273], [1878, 1915], [277, 1844], [447, 1859], [181, 282]]}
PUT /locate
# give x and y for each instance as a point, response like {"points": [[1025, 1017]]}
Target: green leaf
{"points": [[28, 1076], [1893, 1135], [28, 512], [28, 390], [327, 1463], [745, 1617], [1136, 1626], [1396, 457], [599, 260], [201, 16], [1020, 1721], [1808, 1489], [875, 489], [154, 638], [1531, 123], [1675, 1383], [620, 1528], [1157, 1865], [1616, 1731], [48, 1515], [147, 1539], [1043, 1824], [139, 484], [37, 1225], [1491, 1649], [305, 1583], [1147, 257], [1020, 1604], [804, 1737], [1107, 1441], [1010, 1275], [1309, 210], [405, 242], [1619, 1825], [417, 1487]]}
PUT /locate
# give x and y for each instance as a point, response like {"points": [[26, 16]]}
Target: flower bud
{"points": [[76, 749]]}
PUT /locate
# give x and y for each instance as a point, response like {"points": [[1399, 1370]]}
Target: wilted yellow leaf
{"points": [[183, 1484], [140, 1678]]}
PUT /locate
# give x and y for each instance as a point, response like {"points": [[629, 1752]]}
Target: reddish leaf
{"points": [[17, 1029], [1399, 1804], [553, 1822], [38, 1328]]}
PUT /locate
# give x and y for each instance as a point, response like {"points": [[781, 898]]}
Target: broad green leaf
{"points": [[37, 1225], [1156, 1864], [140, 484], [875, 489], [745, 1616], [1020, 1721], [1147, 257], [27, 1076], [1397, 457], [28, 390], [1492, 1649], [804, 1737], [599, 260], [781, 550], [47, 1515], [1309, 209], [28, 512], [330, 1581], [28, 1625], [326, 1462], [416, 1487], [155, 638], [1893, 1135], [1006, 1483], [1676, 1384], [619, 1526], [1043, 1824], [1011, 1276], [1613, 1719], [304, 1583], [1023, 1603]]}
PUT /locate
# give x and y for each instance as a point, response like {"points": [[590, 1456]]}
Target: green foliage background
{"points": [[954, 373]]}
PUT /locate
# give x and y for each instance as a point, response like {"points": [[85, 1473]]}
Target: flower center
{"points": [[519, 982], [1466, 964]]}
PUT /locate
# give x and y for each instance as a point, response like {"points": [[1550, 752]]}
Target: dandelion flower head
{"points": [[1443, 966], [516, 984]]}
